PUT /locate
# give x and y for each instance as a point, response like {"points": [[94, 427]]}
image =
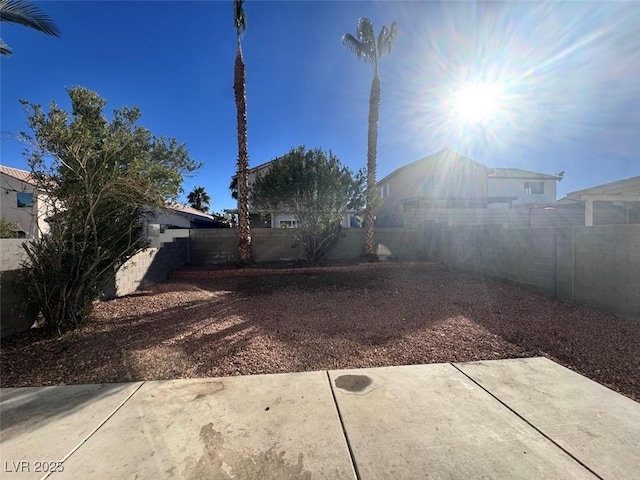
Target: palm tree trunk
{"points": [[244, 228], [372, 192]]}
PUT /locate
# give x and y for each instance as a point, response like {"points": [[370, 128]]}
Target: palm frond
{"points": [[356, 46], [239, 17], [4, 49], [386, 39], [364, 46], [29, 15], [366, 34]]}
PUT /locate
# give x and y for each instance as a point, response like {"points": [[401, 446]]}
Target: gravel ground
{"points": [[301, 322]]}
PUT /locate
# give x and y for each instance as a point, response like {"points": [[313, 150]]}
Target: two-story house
{"points": [[447, 181], [26, 210]]}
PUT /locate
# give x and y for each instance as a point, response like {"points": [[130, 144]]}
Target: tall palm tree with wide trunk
{"points": [[199, 199], [27, 14], [368, 48], [239, 88]]}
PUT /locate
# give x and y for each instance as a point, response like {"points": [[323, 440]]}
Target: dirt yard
{"points": [[299, 322]]}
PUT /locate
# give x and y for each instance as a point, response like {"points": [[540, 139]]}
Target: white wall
{"points": [[514, 187], [165, 217]]}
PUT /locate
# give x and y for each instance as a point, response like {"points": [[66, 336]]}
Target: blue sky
{"points": [[568, 76]]}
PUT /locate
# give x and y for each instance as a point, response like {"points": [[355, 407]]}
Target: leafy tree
{"points": [[368, 49], [239, 88], [102, 178], [27, 14], [223, 220], [233, 188], [315, 187], [199, 199], [7, 229]]}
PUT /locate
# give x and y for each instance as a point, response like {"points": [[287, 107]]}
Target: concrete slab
{"points": [[595, 424], [262, 426], [430, 421], [40, 425]]}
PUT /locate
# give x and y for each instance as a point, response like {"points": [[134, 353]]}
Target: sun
{"points": [[476, 102]]}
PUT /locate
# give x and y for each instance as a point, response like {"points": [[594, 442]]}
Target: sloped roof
{"points": [[519, 173], [189, 212], [18, 174], [622, 190], [445, 152], [258, 167]]}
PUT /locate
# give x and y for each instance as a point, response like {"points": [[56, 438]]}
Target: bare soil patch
{"points": [[317, 321]]}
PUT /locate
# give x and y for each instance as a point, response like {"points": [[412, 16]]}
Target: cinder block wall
{"points": [[404, 244], [213, 246], [518, 217], [210, 247], [150, 266], [524, 256], [597, 266], [607, 268]]}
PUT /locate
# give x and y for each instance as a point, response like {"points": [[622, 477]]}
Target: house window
{"points": [[382, 192], [25, 199], [387, 187], [288, 224], [532, 188]]}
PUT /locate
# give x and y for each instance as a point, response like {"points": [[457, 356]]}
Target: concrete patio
{"points": [[511, 419]]}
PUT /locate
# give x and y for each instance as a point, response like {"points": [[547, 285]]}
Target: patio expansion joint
{"points": [[108, 417], [504, 404], [344, 430]]}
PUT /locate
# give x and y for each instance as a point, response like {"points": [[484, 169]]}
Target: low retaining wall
{"points": [[151, 265], [17, 314]]}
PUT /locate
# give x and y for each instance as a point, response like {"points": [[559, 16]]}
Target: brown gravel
{"points": [[299, 322]]}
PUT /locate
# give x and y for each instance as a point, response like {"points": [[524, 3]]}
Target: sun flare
{"points": [[476, 102]]}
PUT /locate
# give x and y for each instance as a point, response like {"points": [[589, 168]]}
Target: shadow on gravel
{"points": [[299, 322]]}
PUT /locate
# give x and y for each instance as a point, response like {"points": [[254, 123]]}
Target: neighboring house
{"points": [[174, 215], [280, 219], [448, 180], [527, 187], [622, 193], [20, 203], [23, 207]]}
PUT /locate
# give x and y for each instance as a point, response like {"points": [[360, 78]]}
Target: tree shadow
{"points": [[298, 322], [25, 410]]}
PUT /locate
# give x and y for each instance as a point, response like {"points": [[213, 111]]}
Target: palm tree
{"points": [[199, 199], [239, 84], [24, 13], [366, 48]]}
